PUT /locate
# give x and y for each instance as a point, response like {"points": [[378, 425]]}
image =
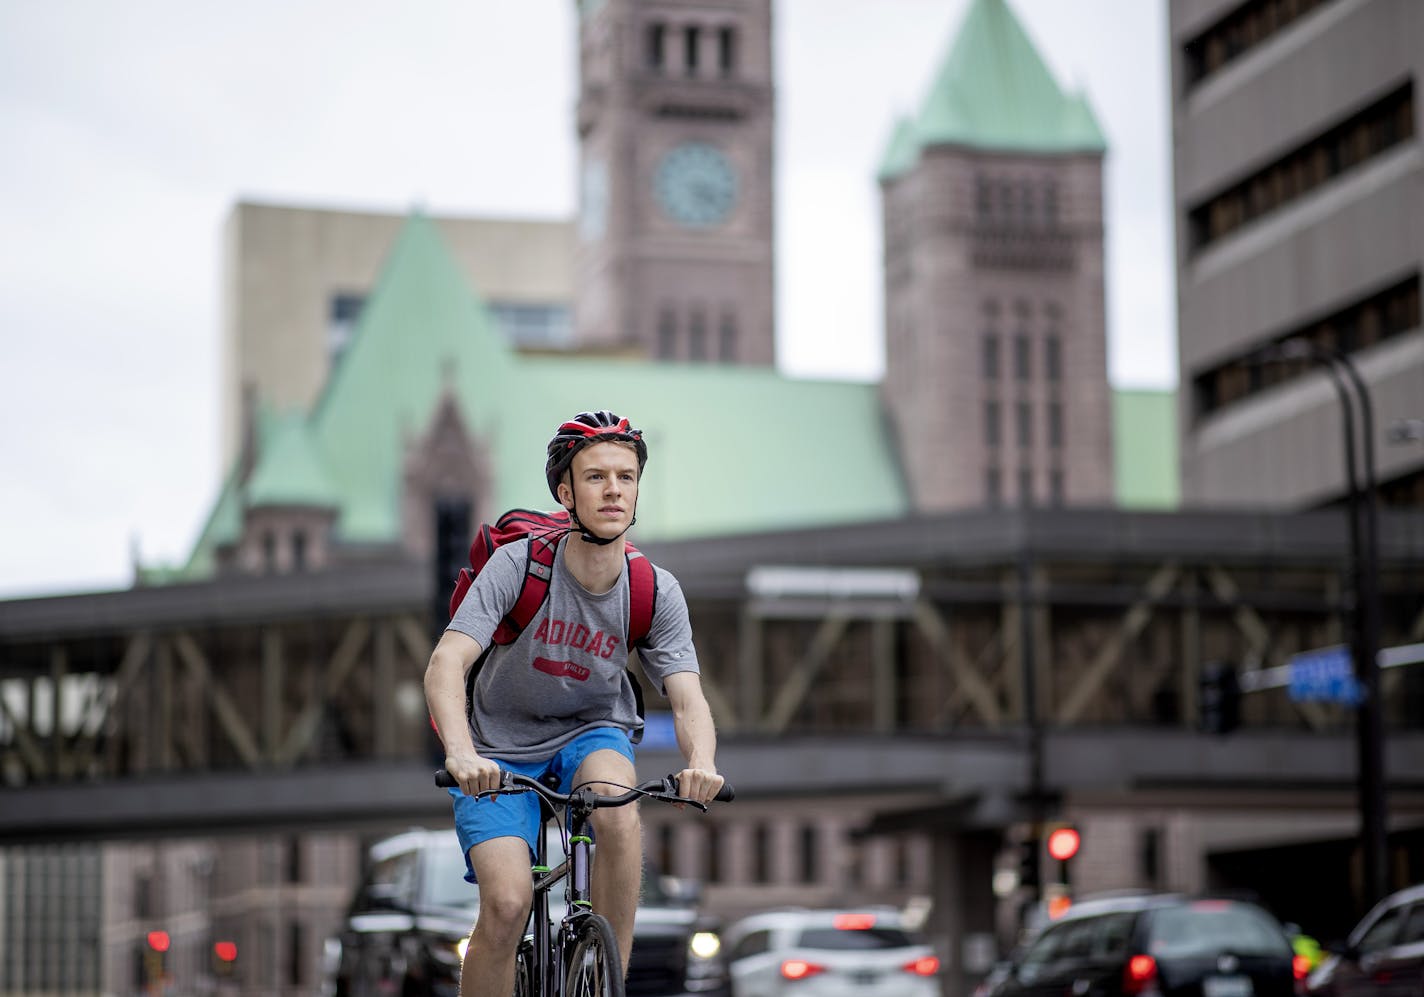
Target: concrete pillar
{"points": [[963, 913]]}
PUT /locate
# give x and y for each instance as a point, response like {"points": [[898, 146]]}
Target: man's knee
{"points": [[504, 909], [618, 824]]}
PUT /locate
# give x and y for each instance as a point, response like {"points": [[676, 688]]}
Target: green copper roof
{"points": [[424, 333], [292, 471], [1146, 471], [993, 91]]}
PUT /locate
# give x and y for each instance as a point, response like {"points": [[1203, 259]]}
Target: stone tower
{"points": [[675, 121], [995, 337]]}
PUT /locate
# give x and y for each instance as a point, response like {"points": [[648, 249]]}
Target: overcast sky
{"points": [[128, 130]]}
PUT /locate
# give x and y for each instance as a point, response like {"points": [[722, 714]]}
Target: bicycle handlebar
{"points": [[664, 788]]}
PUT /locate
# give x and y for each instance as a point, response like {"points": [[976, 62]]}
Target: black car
{"points": [[1384, 955], [1156, 946], [410, 919]]}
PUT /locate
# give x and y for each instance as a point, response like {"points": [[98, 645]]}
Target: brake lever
{"points": [[670, 795]]}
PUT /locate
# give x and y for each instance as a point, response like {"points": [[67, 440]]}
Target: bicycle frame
{"points": [[548, 944], [549, 949]]}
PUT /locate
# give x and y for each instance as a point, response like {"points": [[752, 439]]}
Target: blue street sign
{"points": [[658, 732], [1324, 675]]}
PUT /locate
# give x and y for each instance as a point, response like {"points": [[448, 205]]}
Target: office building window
{"points": [[991, 423], [1055, 424], [1357, 326], [697, 336], [1053, 358], [1245, 27], [1023, 363], [727, 51], [810, 853], [761, 854], [1376, 129], [538, 326], [1050, 204], [1026, 486], [993, 486], [667, 334], [343, 312], [1024, 421], [657, 46], [691, 42], [727, 338], [991, 356], [712, 853], [1055, 486]]}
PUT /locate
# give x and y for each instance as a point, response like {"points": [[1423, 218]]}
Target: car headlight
{"points": [[461, 946], [705, 944]]}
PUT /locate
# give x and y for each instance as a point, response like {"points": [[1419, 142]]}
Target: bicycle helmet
{"points": [[585, 429]]}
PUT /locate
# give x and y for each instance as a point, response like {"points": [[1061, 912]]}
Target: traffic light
{"points": [[224, 955], [1063, 845], [154, 967], [1030, 868], [1219, 699]]}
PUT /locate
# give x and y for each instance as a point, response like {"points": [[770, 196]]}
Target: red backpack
{"points": [[544, 530]]}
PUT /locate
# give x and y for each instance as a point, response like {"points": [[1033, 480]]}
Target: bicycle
{"points": [[581, 952]]}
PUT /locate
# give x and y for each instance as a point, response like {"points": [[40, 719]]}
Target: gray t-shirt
{"points": [[567, 672]]}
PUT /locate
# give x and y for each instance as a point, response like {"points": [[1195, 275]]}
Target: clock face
{"points": [[696, 185]]}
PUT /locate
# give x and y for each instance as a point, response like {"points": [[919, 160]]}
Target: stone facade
{"points": [[995, 342], [676, 118]]}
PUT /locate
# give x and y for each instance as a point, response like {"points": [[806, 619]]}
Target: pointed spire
{"points": [[994, 91]]}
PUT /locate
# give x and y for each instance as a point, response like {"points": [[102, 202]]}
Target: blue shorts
{"points": [[516, 815]]}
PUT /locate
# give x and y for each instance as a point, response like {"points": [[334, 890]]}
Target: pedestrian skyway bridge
{"points": [[978, 659]]}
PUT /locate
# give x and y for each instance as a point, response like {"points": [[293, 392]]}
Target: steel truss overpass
{"points": [[1054, 650]]}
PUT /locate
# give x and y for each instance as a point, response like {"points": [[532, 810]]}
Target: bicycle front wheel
{"points": [[594, 968], [524, 971]]}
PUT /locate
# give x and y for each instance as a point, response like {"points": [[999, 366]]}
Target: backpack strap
{"points": [[642, 599], [538, 573], [642, 596]]}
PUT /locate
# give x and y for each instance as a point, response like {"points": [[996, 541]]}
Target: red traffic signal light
{"points": [[1063, 843], [225, 951], [158, 941]]}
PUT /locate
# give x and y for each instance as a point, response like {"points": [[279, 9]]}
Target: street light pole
{"points": [[1370, 718], [1365, 622]]}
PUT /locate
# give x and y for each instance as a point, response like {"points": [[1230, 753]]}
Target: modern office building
{"points": [[1299, 189]]}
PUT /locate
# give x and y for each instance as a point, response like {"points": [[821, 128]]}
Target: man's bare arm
{"points": [[696, 736], [445, 696]]}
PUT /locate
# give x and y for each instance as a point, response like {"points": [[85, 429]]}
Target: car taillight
{"points": [[927, 965], [1300, 965], [799, 969], [1140, 971]]}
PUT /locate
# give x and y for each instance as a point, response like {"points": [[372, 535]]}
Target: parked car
{"points": [[829, 953], [1383, 956], [1156, 946], [409, 921]]}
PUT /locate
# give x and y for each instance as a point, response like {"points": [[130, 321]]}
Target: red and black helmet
{"points": [[582, 430]]}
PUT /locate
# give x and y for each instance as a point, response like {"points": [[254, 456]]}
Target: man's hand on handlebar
{"points": [[700, 785], [474, 773]]}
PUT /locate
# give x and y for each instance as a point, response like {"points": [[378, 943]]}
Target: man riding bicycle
{"points": [[552, 703]]}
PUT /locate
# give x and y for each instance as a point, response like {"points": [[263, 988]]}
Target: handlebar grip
{"points": [[724, 795], [445, 780]]}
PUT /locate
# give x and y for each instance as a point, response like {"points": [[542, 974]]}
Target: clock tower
{"points": [[675, 122]]}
